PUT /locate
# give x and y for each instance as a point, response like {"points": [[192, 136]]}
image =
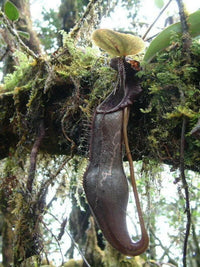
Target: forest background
{"points": [[51, 84]]}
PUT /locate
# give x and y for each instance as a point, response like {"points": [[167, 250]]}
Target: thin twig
{"points": [[186, 54], [15, 34], [152, 37], [44, 187], [186, 38], [73, 144], [186, 189], [183, 18], [83, 257], [62, 228], [77, 27], [57, 240], [156, 19], [53, 176], [33, 156], [165, 250]]}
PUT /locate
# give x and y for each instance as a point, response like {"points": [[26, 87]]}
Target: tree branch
{"points": [[46, 184], [185, 31], [33, 157], [74, 32], [186, 53], [156, 19], [83, 257], [166, 250], [15, 34], [57, 240], [186, 189]]}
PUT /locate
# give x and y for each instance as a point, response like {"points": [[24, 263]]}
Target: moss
{"points": [[78, 79], [64, 81], [113, 258], [37, 84], [86, 67], [174, 92], [173, 89], [73, 263], [22, 69]]}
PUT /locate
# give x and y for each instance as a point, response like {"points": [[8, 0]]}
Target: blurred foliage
{"points": [[162, 194], [48, 31], [48, 28]]}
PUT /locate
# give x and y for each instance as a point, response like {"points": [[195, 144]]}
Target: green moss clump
{"points": [[88, 70], [73, 263], [172, 86], [113, 258], [17, 78]]}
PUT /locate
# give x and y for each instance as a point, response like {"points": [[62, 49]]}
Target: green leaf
{"points": [[159, 3], [11, 11], [23, 34], [163, 40]]}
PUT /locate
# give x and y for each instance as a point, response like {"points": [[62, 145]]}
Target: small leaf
{"points": [[23, 34], [116, 43], [11, 11], [159, 3]]}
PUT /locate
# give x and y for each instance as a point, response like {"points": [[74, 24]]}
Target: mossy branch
{"points": [[186, 38], [74, 32], [33, 156]]}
